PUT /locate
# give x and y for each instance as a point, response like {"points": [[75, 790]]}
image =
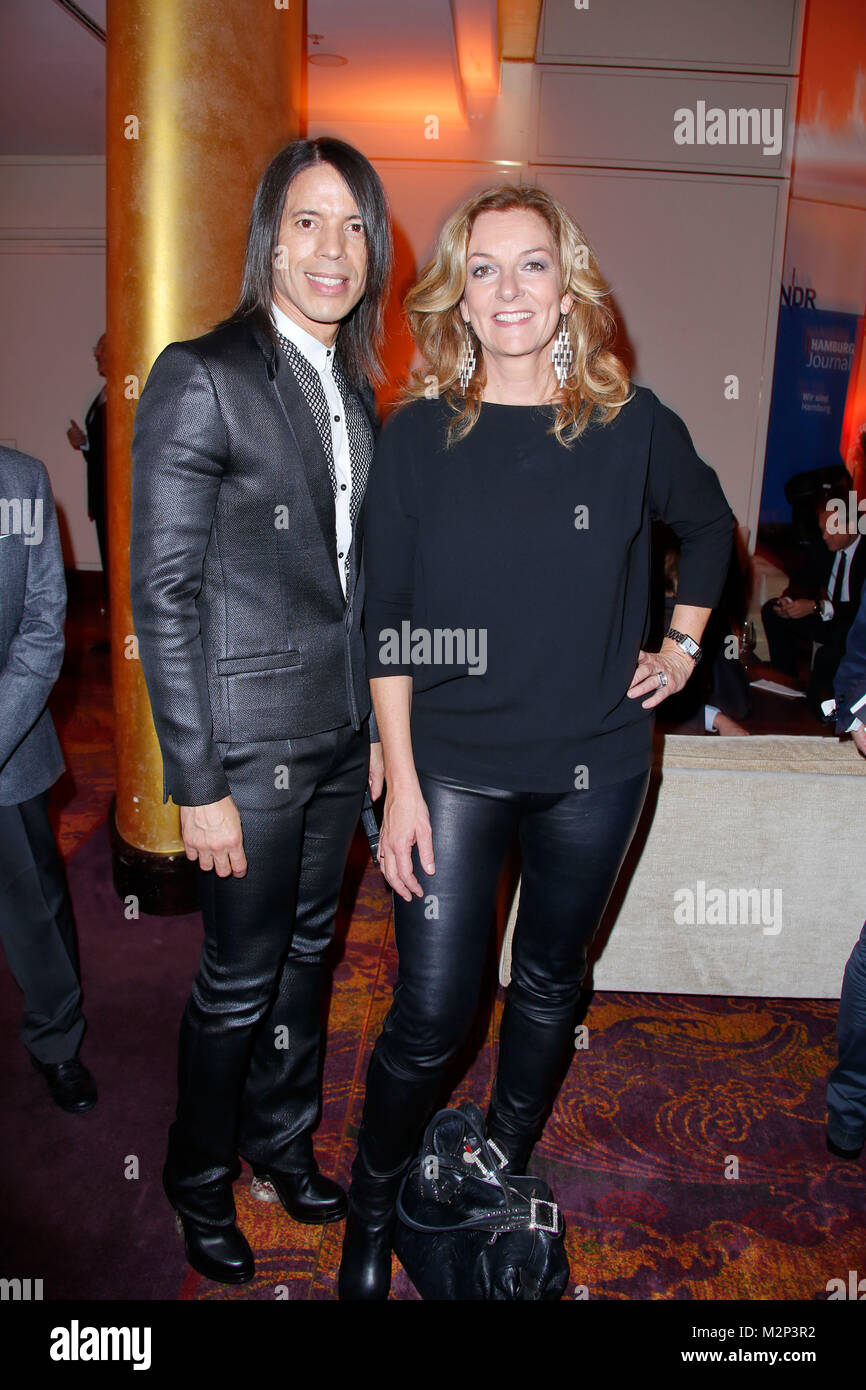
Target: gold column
{"points": [[518, 28], [200, 97]]}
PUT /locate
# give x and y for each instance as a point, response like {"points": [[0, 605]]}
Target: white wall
{"points": [[694, 257], [52, 288], [826, 248]]}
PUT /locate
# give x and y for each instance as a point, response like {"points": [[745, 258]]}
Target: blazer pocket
{"points": [[259, 695], [274, 661]]}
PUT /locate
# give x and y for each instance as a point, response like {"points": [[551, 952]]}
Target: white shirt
{"points": [[844, 595], [322, 358]]}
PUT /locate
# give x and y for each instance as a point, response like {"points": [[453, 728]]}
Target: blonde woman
{"points": [[507, 553]]}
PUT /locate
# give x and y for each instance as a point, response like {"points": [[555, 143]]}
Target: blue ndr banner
{"points": [[814, 351]]}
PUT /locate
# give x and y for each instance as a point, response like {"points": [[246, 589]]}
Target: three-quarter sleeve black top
{"points": [[509, 575]]}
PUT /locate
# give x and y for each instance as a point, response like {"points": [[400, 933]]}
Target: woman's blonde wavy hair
{"points": [[598, 386]]}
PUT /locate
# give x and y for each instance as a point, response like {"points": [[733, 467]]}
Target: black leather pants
{"points": [[572, 848], [250, 1038]]}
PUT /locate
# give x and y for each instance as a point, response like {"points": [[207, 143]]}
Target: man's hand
{"points": [[212, 834], [859, 737], [795, 607], [376, 775], [76, 436]]}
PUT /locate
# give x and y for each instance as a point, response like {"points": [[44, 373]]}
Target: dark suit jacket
{"points": [[243, 631], [850, 682], [814, 576], [94, 454], [32, 612]]}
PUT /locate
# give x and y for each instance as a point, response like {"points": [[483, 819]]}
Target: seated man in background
{"points": [[846, 1089], [820, 604]]}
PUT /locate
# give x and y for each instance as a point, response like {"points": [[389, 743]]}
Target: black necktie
{"points": [[836, 596]]}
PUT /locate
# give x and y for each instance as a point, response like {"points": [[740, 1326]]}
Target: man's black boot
{"points": [[308, 1196], [205, 1216], [221, 1253]]}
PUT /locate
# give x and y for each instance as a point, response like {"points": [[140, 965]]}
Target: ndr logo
{"points": [[798, 296]]}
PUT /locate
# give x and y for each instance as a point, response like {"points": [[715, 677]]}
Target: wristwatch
{"points": [[819, 606], [688, 644]]}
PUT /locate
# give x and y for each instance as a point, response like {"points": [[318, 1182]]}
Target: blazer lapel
{"points": [[309, 446], [368, 405]]}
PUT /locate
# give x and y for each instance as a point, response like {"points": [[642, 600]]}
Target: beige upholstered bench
{"points": [[747, 874]]}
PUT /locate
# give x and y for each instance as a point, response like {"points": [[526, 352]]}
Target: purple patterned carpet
{"points": [[686, 1148]]}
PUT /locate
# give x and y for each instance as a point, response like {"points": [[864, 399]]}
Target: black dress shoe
{"points": [[220, 1253], [849, 1154], [310, 1198], [70, 1084]]}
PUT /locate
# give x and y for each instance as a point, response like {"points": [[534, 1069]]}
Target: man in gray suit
{"points": [[250, 458], [37, 926]]}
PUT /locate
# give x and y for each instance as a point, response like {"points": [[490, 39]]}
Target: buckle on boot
{"points": [[552, 1225]]}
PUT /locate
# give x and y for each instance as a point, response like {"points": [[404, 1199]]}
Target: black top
{"points": [[510, 576]]}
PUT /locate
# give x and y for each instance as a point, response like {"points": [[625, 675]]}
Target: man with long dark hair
{"points": [[251, 452]]}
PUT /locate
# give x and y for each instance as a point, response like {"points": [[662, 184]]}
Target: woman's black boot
{"points": [[396, 1109], [365, 1267], [515, 1148]]}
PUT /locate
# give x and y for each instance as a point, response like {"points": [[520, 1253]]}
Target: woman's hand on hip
{"points": [[658, 675], [406, 822]]}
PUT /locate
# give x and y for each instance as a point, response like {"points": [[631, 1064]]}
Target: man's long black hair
{"points": [[360, 336]]}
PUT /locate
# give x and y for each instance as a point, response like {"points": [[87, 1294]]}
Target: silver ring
{"points": [[663, 680]]}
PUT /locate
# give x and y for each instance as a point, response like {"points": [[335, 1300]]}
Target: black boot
{"points": [[205, 1216], [515, 1148], [308, 1197], [221, 1253], [365, 1267], [396, 1109]]}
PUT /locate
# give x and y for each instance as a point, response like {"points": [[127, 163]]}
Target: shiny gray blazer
{"points": [[32, 613], [243, 631]]}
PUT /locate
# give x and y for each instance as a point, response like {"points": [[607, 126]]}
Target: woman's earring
{"points": [[563, 355], [466, 365]]}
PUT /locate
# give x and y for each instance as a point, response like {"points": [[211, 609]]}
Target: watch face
{"points": [[688, 644]]}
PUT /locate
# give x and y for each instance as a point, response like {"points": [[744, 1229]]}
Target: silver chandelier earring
{"points": [[562, 356], [466, 365]]}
